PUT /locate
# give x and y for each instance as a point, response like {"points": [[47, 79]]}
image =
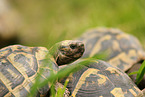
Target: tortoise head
{"points": [[68, 51]]}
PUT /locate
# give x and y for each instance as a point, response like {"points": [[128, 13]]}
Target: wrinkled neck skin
{"points": [[59, 58], [62, 59]]}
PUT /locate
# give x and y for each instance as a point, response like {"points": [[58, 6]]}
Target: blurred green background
{"points": [[45, 22]]}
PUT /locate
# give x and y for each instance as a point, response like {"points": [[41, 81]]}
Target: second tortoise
{"points": [[122, 50]]}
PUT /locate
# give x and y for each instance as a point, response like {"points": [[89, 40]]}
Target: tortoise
{"points": [[20, 65], [98, 78], [124, 50]]}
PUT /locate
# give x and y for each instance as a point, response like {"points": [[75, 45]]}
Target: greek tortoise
{"points": [[20, 65], [100, 79], [124, 50]]}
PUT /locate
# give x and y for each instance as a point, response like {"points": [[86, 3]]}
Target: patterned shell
{"points": [[122, 48], [19, 66], [100, 79]]}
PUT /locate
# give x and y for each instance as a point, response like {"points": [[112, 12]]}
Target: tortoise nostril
{"points": [[82, 45], [72, 46]]}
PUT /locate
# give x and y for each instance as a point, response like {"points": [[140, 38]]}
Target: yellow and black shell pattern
{"points": [[100, 79], [123, 50], [19, 66]]}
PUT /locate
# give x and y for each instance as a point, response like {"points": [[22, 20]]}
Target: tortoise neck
{"points": [[54, 51]]}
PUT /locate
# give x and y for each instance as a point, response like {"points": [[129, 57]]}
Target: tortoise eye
{"points": [[72, 46]]}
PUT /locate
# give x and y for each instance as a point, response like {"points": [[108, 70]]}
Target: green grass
{"points": [[140, 73], [47, 22]]}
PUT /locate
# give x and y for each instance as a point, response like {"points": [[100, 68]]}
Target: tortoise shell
{"points": [[19, 66], [123, 49], [100, 79]]}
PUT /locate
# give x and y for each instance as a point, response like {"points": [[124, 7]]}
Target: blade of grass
{"points": [[132, 73], [61, 91], [140, 73], [53, 90], [65, 84]]}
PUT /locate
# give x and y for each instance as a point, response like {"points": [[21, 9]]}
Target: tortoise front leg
{"points": [[59, 85], [56, 87]]}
